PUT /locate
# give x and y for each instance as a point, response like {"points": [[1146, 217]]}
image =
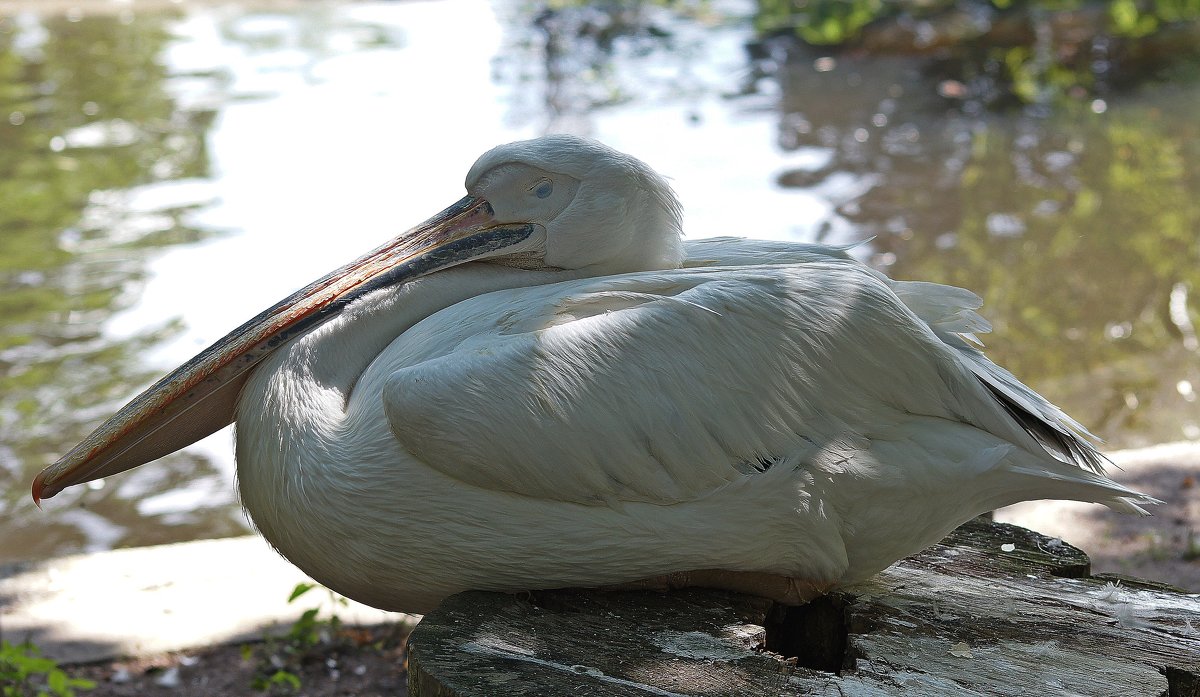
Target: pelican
{"points": [[543, 386]]}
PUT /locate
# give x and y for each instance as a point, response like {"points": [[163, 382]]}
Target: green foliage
{"points": [[1134, 18], [821, 22], [1128, 20], [314, 640], [1037, 51], [283, 656], [279, 681], [25, 673], [299, 590]]}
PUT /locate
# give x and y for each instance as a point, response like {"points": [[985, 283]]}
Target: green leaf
{"points": [[283, 677], [300, 589], [56, 680], [39, 665]]}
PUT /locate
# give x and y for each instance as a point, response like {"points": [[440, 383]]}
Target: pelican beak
{"points": [[200, 397]]}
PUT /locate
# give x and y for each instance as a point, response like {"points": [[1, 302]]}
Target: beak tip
{"points": [[39, 489]]}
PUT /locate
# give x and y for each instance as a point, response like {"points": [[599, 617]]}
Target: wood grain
{"points": [[969, 616]]}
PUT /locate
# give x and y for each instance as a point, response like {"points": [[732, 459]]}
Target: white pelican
{"points": [[542, 386]]}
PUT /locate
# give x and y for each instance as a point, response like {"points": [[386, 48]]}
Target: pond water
{"points": [[165, 174]]}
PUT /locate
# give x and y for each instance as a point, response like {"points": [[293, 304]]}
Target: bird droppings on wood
{"points": [[700, 645]]}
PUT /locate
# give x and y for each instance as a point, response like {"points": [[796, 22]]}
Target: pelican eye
{"points": [[543, 189]]}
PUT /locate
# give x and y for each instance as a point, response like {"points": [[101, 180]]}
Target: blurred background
{"points": [[169, 168]]}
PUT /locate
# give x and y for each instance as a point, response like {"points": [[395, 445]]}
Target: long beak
{"points": [[200, 396]]}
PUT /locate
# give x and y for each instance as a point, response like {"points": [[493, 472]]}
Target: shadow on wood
{"points": [[969, 616]]}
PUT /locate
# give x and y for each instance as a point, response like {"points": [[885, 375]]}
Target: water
{"points": [[165, 174]]}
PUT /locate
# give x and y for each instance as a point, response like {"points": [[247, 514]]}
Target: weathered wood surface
{"points": [[966, 617]]}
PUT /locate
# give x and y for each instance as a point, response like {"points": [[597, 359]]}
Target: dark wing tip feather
{"points": [[1061, 442]]}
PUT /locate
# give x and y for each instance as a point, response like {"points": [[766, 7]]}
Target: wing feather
{"points": [[660, 387], [950, 313]]}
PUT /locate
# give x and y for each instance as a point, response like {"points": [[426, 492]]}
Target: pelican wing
{"points": [[950, 313], [664, 386]]}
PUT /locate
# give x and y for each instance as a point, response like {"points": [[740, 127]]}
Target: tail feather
{"points": [[1052, 479], [950, 314], [1058, 433]]}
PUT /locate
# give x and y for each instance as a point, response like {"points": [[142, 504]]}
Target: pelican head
{"points": [[601, 210], [556, 202]]}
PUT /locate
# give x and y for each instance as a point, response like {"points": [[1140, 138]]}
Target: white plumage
{"points": [[605, 429], [576, 411]]}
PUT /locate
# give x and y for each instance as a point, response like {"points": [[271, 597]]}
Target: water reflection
{"points": [[90, 147], [572, 59], [1081, 230], [165, 175], [1004, 52]]}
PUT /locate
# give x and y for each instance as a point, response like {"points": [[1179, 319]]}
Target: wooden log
{"points": [[969, 616]]}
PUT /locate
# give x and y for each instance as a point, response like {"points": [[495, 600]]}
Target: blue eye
{"points": [[544, 189]]}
